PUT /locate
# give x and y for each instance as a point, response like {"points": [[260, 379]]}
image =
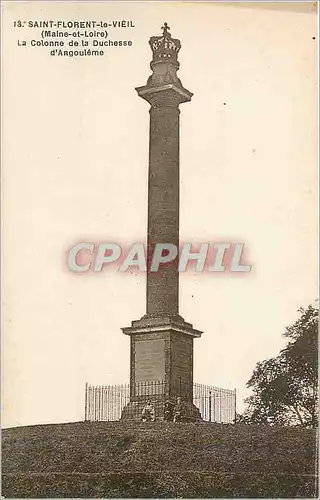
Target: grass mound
{"points": [[159, 460]]}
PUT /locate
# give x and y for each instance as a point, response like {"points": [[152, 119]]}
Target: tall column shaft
{"points": [[163, 205]]}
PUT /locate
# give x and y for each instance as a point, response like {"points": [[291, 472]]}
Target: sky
{"points": [[75, 163]]}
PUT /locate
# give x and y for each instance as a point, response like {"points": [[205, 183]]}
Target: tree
{"points": [[285, 388]]}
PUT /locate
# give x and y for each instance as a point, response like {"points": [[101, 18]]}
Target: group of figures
{"points": [[173, 411]]}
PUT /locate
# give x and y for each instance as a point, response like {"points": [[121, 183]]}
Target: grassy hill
{"points": [[162, 460]]}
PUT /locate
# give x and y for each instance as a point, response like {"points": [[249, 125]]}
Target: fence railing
{"points": [[106, 402]]}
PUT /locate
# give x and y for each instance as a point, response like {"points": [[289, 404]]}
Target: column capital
{"points": [[169, 95]]}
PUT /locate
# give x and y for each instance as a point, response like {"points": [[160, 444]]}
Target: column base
{"points": [[161, 365]]}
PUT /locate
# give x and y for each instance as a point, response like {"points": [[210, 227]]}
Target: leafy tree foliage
{"points": [[285, 388]]}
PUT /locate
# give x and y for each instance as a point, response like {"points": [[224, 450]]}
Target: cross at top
{"points": [[165, 28]]}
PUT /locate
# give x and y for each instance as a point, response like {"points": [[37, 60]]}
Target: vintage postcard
{"points": [[159, 249]]}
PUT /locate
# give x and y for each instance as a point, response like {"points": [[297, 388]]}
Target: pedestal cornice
{"points": [[153, 324]]}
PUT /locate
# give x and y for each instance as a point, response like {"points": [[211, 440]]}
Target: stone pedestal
{"points": [[161, 351]]}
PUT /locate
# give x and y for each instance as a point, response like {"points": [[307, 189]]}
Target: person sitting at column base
{"points": [[179, 411], [168, 411], [148, 412]]}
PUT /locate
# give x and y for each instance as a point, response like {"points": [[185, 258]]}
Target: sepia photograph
{"points": [[159, 249]]}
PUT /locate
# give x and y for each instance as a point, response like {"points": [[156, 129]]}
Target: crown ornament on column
{"points": [[164, 47], [163, 85], [164, 62]]}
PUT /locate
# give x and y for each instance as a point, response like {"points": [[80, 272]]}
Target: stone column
{"points": [[162, 341]]}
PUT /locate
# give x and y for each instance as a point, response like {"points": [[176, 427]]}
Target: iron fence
{"points": [[107, 402]]}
